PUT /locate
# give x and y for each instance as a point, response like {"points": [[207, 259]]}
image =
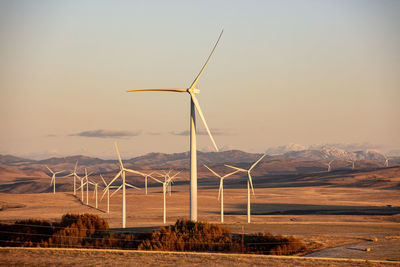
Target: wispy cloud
{"points": [[107, 133], [202, 132]]}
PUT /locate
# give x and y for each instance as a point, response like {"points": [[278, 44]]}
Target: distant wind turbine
{"points": [[386, 162], [194, 105], [167, 179], [221, 188], [122, 173], [352, 164], [249, 183], [75, 176], [329, 165], [53, 179]]}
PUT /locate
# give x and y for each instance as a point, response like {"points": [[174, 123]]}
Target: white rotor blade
{"points": [[197, 105], [103, 180], [216, 174], [119, 156], [135, 172], [52, 179], [116, 176], [179, 90], [49, 169], [229, 174], [251, 183], [67, 175], [76, 166], [252, 166], [116, 190], [205, 64], [236, 168], [132, 186], [155, 179]]}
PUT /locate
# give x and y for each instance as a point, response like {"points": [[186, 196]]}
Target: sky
{"points": [[304, 72]]}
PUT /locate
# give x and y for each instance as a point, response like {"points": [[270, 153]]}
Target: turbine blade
{"points": [[205, 64], [116, 191], [197, 105], [155, 179], [49, 169], [76, 166], [216, 174], [136, 172], [252, 166], [229, 174], [236, 168], [180, 90], [103, 180], [116, 176], [251, 183], [119, 156], [132, 186]]}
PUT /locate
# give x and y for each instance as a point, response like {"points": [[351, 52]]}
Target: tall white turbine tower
{"points": [[122, 173], [249, 183], [221, 189], [194, 105], [53, 179]]}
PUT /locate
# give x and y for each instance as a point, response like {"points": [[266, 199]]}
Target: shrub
{"points": [[187, 235]]}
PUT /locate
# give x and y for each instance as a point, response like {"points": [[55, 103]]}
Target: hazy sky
{"points": [[284, 72]]}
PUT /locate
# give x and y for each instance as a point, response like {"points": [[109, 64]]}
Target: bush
{"points": [[187, 235]]}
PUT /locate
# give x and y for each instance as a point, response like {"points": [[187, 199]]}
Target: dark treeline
{"points": [[91, 231]]}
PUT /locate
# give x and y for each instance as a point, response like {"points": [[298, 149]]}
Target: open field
{"points": [[90, 257], [337, 214]]}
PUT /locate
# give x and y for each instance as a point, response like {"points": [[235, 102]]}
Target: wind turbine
{"points": [[194, 105], [94, 191], [85, 182], [167, 179], [386, 162], [122, 173], [53, 179], [145, 180], [221, 188], [249, 183], [107, 190], [329, 165], [75, 176], [352, 164]]}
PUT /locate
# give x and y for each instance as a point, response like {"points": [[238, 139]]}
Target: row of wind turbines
{"points": [[353, 162], [85, 182]]}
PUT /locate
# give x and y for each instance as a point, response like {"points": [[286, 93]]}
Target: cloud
{"points": [[202, 132], [107, 134]]}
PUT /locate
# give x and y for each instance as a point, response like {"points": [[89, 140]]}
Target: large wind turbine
{"points": [[221, 188], [249, 183], [53, 179], [194, 105], [122, 173]]}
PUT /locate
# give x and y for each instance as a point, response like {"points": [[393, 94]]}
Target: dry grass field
{"points": [[337, 220], [90, 257]]}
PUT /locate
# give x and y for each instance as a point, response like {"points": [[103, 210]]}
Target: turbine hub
{"points": [[193, 91]]}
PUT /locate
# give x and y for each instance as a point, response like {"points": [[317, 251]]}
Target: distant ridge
{"points": [[231, 156]]}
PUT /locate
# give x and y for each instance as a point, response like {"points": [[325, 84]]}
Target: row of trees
{"points": [[91, 231]]}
